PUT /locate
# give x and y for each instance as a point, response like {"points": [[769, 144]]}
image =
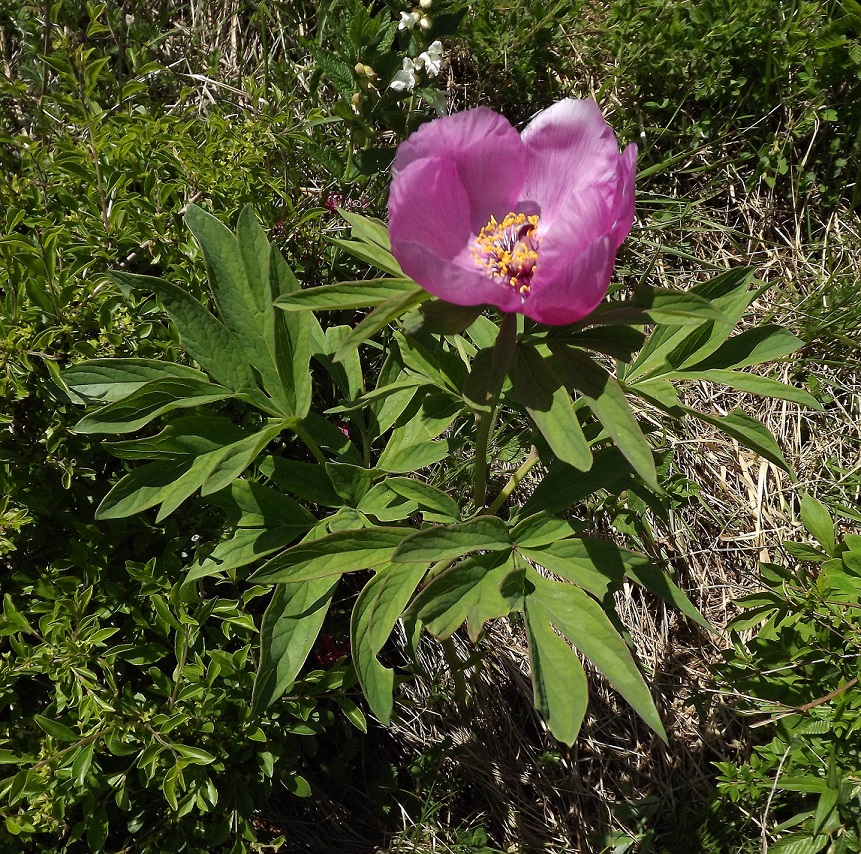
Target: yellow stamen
{"points": [[508, 250]]}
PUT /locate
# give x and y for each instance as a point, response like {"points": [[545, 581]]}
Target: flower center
{"points": [[508, 251]]}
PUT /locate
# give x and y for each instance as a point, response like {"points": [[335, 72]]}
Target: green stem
{"points": [[515, 479], [312, 446], [502, 359], [479, 489]]}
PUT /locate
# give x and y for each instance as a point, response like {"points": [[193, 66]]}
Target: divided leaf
{"points": [[559, 683], [539, 389], [378, 608], [290, 626], [582, 620]]}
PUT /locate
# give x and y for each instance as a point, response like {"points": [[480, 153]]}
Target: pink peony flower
{"points": [[527, 222]]}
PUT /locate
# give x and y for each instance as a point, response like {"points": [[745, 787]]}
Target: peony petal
{"points": [[625, 191], [583, 218], [428, 205], [488, 153], [576, 288], [456, 281], [569, 146]]}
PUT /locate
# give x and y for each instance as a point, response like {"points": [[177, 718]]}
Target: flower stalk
{"points": [[502, 358]]}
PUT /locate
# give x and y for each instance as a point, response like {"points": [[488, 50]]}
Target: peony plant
{"points": [[487, 329]]}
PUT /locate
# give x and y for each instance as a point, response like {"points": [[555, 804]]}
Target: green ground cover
{"points": [[126, 690]]}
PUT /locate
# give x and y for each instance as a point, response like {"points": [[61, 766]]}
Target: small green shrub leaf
{"points": [[816, 518], [56, 729]]}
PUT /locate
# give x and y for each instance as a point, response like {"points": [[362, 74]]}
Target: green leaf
{"points": [[582, 620], [203, 337], [246, 546], [290, 626], [607, 400], [469, 591], [559, 683], [334, 554], [386, 505], [238, 269], [660, 305], [658, 582], [539, 389], [347, 373], [82, 764], [803, 551], [378, 394], [375, 613], [97, 829], [730, 293], [447, 542], [595, 565], [816, 518], [298, 785], [107, 380], [751, 383], [141, 489], [346, 295], [490, 368], [186, 436], [371, 254], [618, 342], [56, 729], [540, 529], [401, 458], [292, 340], [353, 714], [350, 482], [194, 755], [751, 347], [308, 481], [799, 843], [155, 398], [14, 620], [749, 432], [660, 393], [232, 461], [378, 319], [441, 318], [424, 495], [367, 229], [563, 486]]}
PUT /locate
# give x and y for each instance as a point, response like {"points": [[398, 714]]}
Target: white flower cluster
{"points": [[429, 60]]}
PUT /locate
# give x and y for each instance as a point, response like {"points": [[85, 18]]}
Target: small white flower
{"points": [[425, 4], [431, 59], [405, 79], [408, 20], [425, 23]]}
